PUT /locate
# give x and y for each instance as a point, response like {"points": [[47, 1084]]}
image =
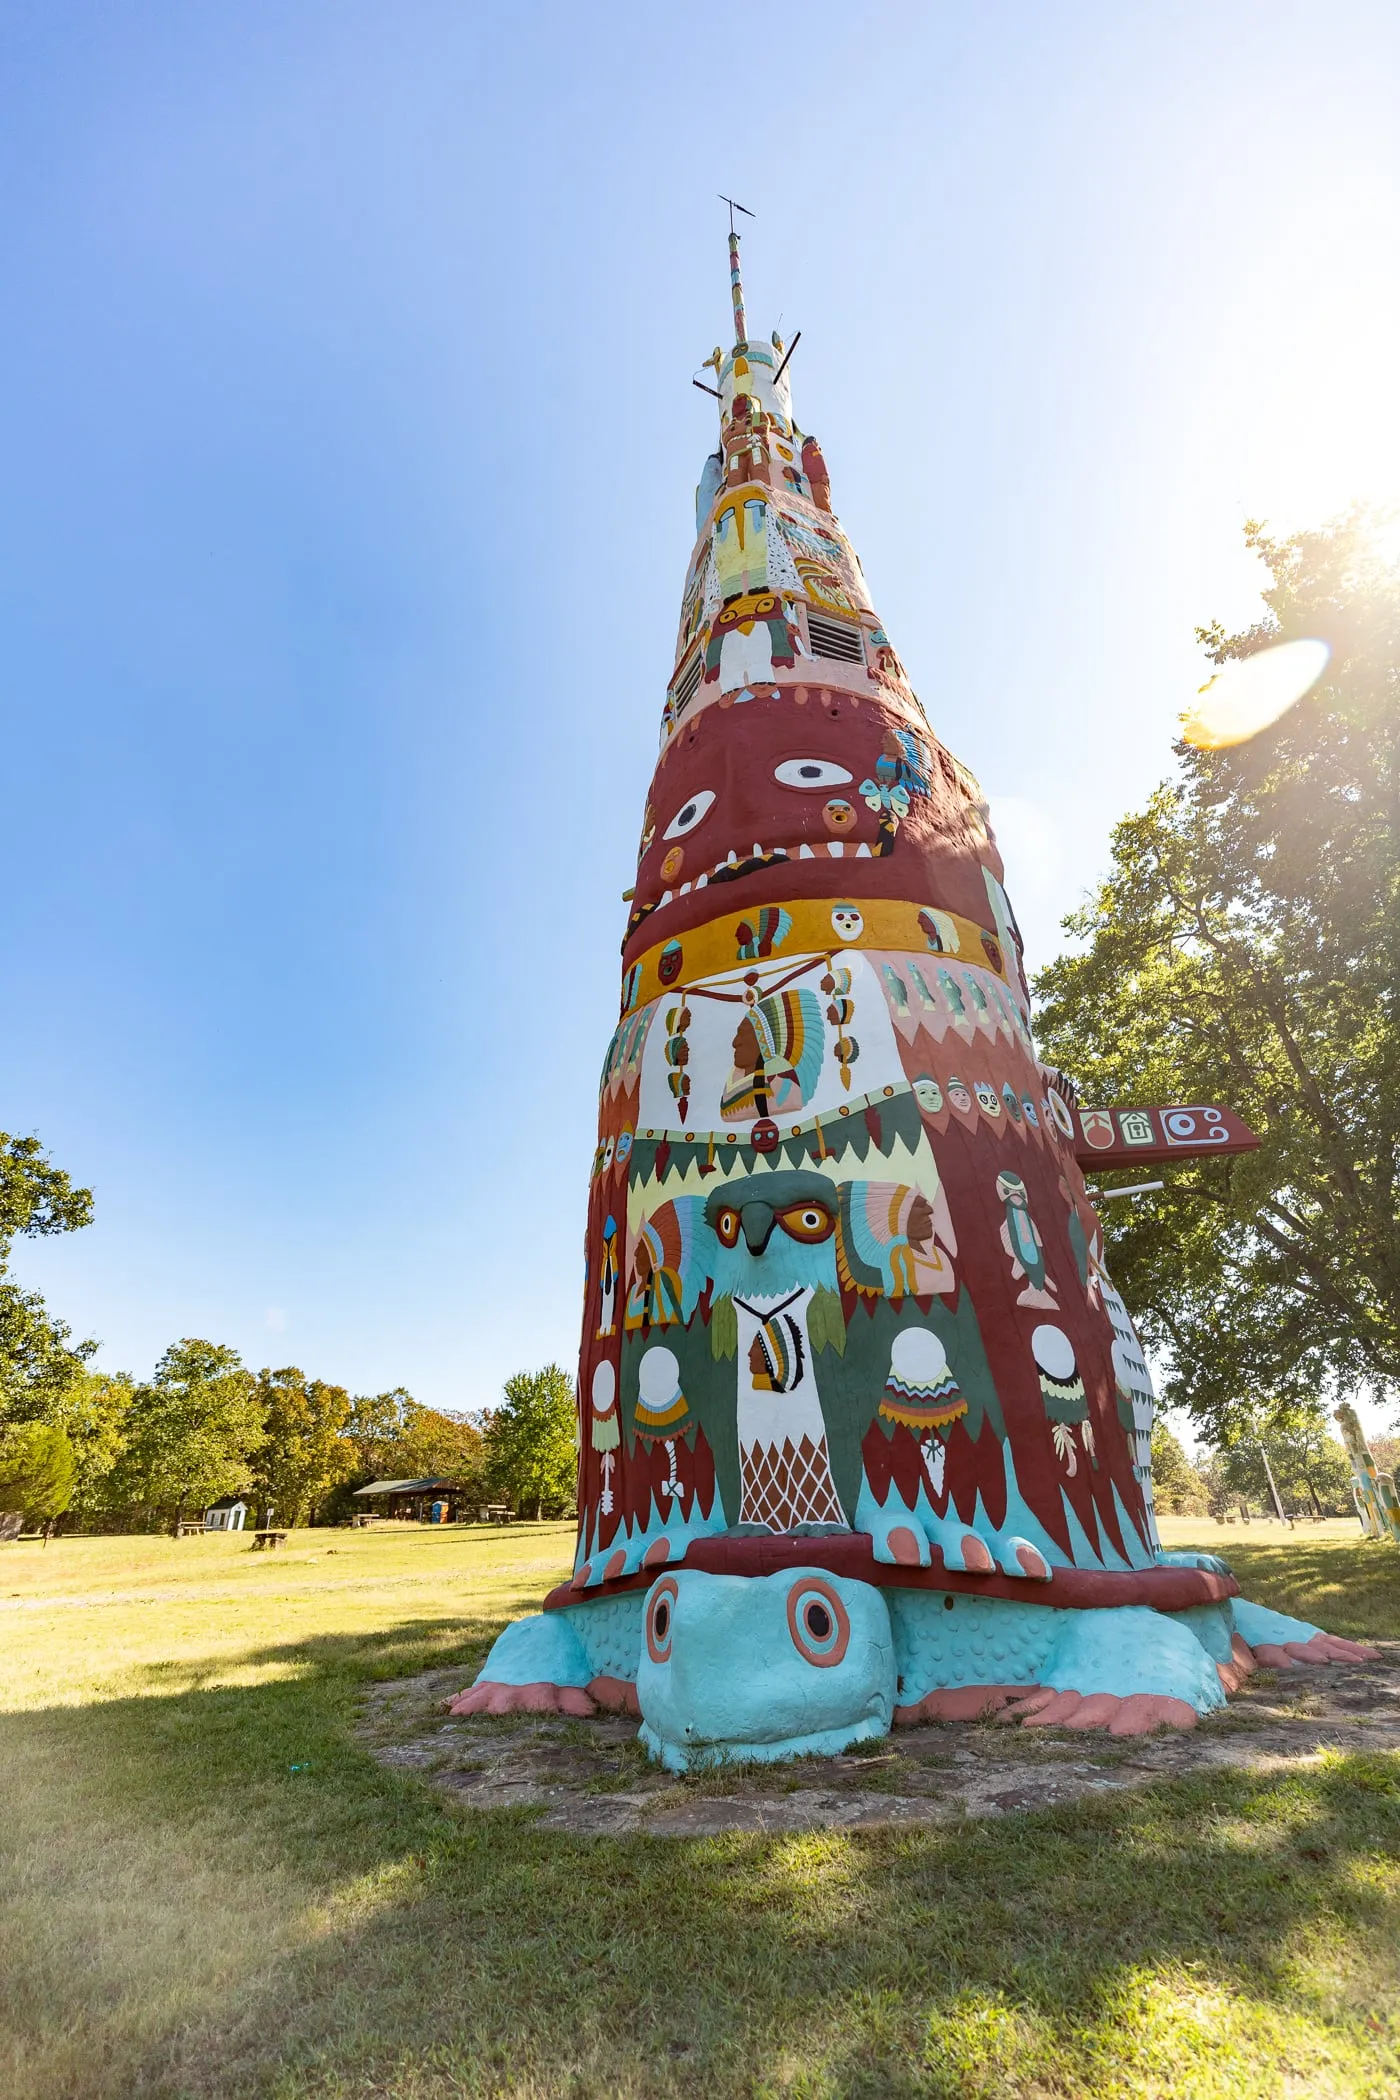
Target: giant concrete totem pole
{"points": [[863, 1424]]}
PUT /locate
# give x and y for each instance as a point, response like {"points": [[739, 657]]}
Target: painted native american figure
{"points": [[846, 1311]]}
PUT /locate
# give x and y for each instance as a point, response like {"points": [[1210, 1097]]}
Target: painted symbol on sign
{"points": [[1195, 1126], [1135, 1127], [1097, 1126]]}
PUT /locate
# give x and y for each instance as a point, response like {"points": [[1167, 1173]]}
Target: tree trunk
{"points": [[1317, 1506], [180, 1513]]}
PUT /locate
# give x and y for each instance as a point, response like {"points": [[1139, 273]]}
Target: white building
{"points": [[229, 1513]]}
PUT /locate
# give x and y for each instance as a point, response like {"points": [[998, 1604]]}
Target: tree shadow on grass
{"points": [[1350, 1587], [382, 1941]]}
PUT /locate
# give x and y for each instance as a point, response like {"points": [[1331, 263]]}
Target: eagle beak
{"points": [[757, 1221]]}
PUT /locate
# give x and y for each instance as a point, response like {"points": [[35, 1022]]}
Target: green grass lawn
{"points": [[207, 1886]]}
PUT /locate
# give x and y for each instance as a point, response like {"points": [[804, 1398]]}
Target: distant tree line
{"points": [[103, 1450]]}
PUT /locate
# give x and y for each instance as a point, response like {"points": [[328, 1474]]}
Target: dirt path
{"points": [[592, 1777]]}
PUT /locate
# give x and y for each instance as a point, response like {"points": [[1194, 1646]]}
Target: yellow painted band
{"points": [[711, 949]]}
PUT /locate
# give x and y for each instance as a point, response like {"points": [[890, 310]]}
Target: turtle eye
{"points": [[661, 1613], [807, 1221], [818, 1621], [810, 773], [690, 814], [727, 1226]]}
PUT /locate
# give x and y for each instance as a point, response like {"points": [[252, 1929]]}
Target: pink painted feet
{"points": [[1138, 1714], [1322, 1648], [524, 1699]]}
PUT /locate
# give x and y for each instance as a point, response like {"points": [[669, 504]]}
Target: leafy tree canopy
{"points": [[191, 1432], [1177, 1488], [36, 1471], [1245, 947], [36, 1196], [303, 1454], [1310, 1467], [531, 1453]]}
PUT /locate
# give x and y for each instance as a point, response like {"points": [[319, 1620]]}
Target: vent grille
{"points": [[836, 639], [683, 689]]}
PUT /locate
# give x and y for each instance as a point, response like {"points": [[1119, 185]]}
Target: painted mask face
{"points": [[839, 817], [1013, 1106], [987, 1100], [673, 863], [608, 1154], [668, 966], [847, 923], [959, 1096], [1028, 1110], [929, 1095], [624, 1147]]}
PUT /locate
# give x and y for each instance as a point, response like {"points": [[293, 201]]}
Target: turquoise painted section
{"points": [[1081, 1552], [609, 1630], [738, 1673], [943, 1640], [823, 1742], [543, 1649], [633, 1542], [1131, 1650], [764, 1666], [1140, 1554], [1213, 1626], [1255, 1623]]}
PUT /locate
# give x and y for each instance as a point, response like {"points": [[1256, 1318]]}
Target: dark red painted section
{"points": [[1163, 1589]]}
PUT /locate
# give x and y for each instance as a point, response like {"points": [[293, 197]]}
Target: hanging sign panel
{"points": [[1139, 1137]]}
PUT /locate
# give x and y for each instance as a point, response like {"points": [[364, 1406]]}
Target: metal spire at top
{"points": [[736, 288]]}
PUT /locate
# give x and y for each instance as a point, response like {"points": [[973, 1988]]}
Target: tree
{"points": [[37, 1357], [303, 1454], [191, 1432], [1177, 1488], [93, 1409], [1246, 947], [36, 1471], [531, 1453], [393, 1437], [1310, 1467]]}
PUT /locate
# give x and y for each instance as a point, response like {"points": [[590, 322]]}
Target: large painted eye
{"points": [[807, 1221], [809, 773], [818, 1621], [661, 1614], [727, 1226], [692, 813]]}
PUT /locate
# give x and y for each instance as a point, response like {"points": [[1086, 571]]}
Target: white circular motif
{"points": [[658, 1378], [604, 1387], [1054, 1352], [917, 1357]]}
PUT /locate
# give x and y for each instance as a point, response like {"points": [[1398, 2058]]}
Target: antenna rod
{"points": [[736, 289], [784, 365]]}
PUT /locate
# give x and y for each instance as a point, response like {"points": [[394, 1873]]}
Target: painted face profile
{"points": [[848, 924]]}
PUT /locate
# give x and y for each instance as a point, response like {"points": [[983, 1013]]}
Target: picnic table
{"points": [[270, 1539], [191, 1531], [497, 1513]]}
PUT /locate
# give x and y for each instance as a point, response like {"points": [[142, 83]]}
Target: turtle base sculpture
{"points": [[803, 1661]]}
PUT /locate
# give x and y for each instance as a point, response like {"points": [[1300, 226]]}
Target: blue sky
{"points": [[350, 445]]}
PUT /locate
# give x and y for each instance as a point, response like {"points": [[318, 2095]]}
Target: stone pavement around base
{"points": [[591, 1778]]}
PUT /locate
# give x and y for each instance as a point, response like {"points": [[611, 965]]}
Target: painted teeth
{"points": [[700, 881], [684, 890], [836, 848], [804, 852], [862, 851], [665, 896]]}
